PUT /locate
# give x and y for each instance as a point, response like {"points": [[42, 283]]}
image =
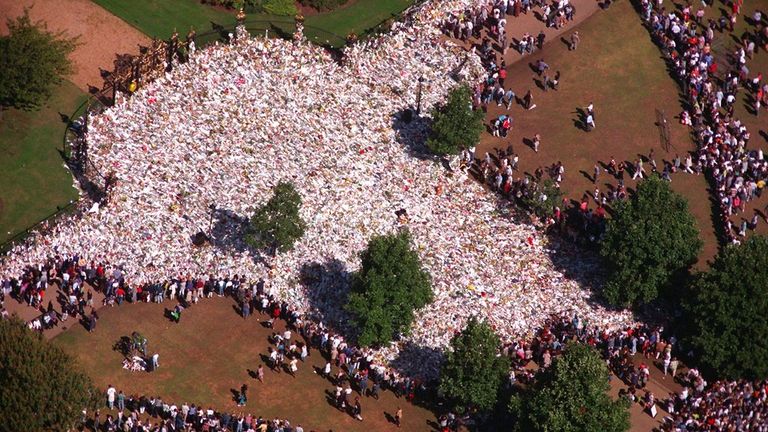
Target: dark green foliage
{"points": [[390, 285], [323, 5], [455, 125], [727, 312], [571, 396], [650, 239], [473, 371], [279, 7], [543, 198], [32, 62], [41, 388], [278, 223]]}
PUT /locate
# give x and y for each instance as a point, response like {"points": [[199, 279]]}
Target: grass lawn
{"points": [[209, 354], [620, 70], [158, 18], [31, 169], [358, 17]]}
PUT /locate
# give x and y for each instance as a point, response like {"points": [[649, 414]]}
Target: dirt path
{"points": [[102, 34]]}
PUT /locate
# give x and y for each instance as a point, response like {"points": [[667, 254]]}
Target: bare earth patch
{"points": [[102, 35]]}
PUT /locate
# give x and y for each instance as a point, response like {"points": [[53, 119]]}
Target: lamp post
{"points": [[418, 96], [212, 207]]}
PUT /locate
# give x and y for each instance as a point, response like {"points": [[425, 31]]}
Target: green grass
{"points": [[358, 17], [158, 18], [33, 178]]}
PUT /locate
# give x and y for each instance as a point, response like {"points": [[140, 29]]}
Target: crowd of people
{"points": [[200, 149], [133, 413], [738, 173]]}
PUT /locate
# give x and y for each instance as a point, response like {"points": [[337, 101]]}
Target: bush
{"points": [[455, 125], [279, 7], [473, 371], [323, 5], [278, 223], [390, 285], [543, 198], [572, 395], [34, 61]]}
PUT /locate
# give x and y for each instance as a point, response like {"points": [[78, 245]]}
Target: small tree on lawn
{"points": [[473, 370], [32, 62], [727, 312], [390, 285], [41, 387], [650, 239], [278, 223], [543, 198], [572, 395], [455, 125]]}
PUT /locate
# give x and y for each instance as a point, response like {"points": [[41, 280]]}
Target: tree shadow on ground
{"points": [[574, 253], [326, 286], [227, 233], [411, 132]]}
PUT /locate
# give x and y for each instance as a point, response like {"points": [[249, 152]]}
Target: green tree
{"points": [[473, 371], [34, 61], [455, 125], [543, 198], [41, 387], [729, 326], [278, 223], [571, 396], [390, 285], [650, 239]]}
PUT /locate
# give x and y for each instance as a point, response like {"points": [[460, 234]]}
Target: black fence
{"points": [[282, 28]]}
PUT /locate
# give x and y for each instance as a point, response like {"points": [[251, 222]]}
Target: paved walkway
{"points": [[102, 35]]}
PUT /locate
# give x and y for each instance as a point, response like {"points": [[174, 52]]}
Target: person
{"points": [[590, 122], [596, 173], [242, 396], [399, 416], [293, 367], [155, 361], [111, 392], [528, 101], [120, 401], [540, 38], [260, 373], [574, 41], [536, 142], [357, 409], [556, 80], [673, 365]]}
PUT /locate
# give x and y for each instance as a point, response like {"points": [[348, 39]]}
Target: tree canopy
{"points": [[278, 223], [34, 60], [727, 312], [649, 240], [473, 370], [571, 396], [390, 285], [41, 387], [543, 197], [455, 125]]}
